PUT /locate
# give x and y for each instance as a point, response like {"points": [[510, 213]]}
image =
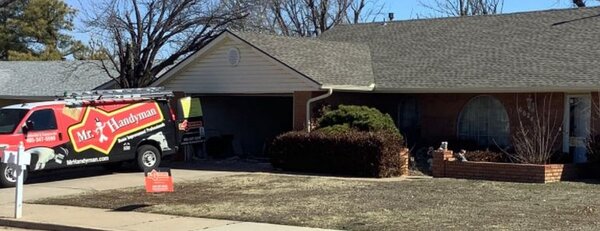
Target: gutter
{"points": [[307, 122], [371, 87]]}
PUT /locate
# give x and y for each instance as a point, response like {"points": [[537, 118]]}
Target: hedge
{"points": [[355, 153]]}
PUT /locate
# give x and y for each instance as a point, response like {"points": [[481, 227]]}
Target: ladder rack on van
{"points": [[116, 96]]}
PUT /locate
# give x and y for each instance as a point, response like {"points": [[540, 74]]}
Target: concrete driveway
{"points": [[79, 180]]}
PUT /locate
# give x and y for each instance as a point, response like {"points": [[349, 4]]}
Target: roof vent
{"points": [[233, 55], [391, 16]]}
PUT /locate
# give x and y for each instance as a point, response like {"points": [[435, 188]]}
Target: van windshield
{"points": [[10, 118]]}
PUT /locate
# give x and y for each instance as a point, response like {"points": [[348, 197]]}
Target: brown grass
{"points": [[424, 204]]}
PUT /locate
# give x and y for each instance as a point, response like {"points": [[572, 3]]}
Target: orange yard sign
{"points": [[158, 182]]}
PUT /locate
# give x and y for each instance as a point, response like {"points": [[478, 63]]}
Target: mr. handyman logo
{"points": [[100, 130]]}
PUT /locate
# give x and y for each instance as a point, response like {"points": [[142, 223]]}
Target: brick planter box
{"points": [[445, 165]]}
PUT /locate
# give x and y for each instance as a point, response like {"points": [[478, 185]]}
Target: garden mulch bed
{"points": [[356, 204]]}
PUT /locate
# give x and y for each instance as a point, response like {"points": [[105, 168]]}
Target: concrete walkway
{"points": [[51, 217]]}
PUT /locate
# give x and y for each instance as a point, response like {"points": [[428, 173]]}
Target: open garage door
{"points": [[245, 125]]}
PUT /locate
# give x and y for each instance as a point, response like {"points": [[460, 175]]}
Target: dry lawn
{"points": [[423, 204]]}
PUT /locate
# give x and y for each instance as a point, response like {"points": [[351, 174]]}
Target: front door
{"points": [[577, 126]]}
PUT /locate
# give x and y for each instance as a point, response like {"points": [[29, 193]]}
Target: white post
{"points": [[19, 192], [19, 171]]}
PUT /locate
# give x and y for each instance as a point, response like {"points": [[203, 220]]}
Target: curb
{"points": [[9, 222]]}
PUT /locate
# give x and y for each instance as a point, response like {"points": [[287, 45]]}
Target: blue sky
{"points": [[407, 9], [402, 9]]}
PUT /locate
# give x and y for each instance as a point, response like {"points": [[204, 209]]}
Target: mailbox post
{"points": [[18, 161]]}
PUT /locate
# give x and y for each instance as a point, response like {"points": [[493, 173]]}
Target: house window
{"points": [[485, 121], [408, 119]]}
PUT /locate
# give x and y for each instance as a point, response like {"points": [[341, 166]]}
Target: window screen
{"points": [[485, 121], [43, 120]]}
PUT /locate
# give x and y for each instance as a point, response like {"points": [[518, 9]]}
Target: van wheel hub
{"points": [[10, 174], [149, 158]]}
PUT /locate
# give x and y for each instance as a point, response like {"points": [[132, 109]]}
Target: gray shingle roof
{"points": [[49, 78], [328, 63], [546, 49]]}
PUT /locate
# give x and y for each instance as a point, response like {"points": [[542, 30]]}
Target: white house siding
{"points": [[255, 73]]}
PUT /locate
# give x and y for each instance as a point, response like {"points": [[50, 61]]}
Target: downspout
{"points": [[307, 122]]}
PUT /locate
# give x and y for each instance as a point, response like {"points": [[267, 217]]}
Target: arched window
{"points": [[485, 121]]}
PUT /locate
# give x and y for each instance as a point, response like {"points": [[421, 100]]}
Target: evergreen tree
{"points": [[35, 30]]}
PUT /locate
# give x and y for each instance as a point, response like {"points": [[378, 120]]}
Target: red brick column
{"points": [[405, 155], [438, 164], [300, 99]]}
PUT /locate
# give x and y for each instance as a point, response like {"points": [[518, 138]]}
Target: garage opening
{"points": [[244, 125]]}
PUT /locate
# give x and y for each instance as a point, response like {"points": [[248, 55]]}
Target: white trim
{"points": [[567, 117], [486, 90], [349, 87]]}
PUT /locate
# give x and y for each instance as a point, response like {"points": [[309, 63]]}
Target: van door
{"points": [[43, 140]]}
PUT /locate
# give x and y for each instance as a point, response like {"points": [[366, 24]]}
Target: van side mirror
{"points": [[27, 126]]}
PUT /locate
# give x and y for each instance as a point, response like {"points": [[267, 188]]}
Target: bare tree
{"points": [[144, 37], [537, 130], [304, 17], [465, 7], [579, 3]]}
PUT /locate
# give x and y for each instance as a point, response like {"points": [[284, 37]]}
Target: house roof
{"points": [[326, 62], [38, 79], [545, 50]]}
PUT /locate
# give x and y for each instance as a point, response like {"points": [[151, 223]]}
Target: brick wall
{"points": [[445, 165], [438, 113]]}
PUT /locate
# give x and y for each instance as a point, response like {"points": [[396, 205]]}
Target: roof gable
{"points": [[210, 71], [323, 64]]}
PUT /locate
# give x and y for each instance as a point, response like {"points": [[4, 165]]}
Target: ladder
{"points": [[116, 96]]}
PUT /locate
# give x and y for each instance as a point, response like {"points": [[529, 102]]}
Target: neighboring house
{"points": [[440, 79], [26, 81]]}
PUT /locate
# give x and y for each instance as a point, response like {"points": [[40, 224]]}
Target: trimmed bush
{"points": [[336, 129], [361, 118], [485, 155], [354, 153]]}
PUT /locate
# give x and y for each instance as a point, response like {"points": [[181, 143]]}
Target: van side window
{"points": [[43, 120]]}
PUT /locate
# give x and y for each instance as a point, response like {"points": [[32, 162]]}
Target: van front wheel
{"points": [[9, 177], [148, 157]]}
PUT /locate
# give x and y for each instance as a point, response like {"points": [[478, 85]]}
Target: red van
{"points": [[91, 128]]}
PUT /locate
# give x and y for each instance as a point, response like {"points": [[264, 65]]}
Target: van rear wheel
{"points": [[9, 177], [148, 157]]}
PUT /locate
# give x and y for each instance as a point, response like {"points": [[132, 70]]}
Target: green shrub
{"points": [[336, 129], [361, 118], [355, 153]]}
